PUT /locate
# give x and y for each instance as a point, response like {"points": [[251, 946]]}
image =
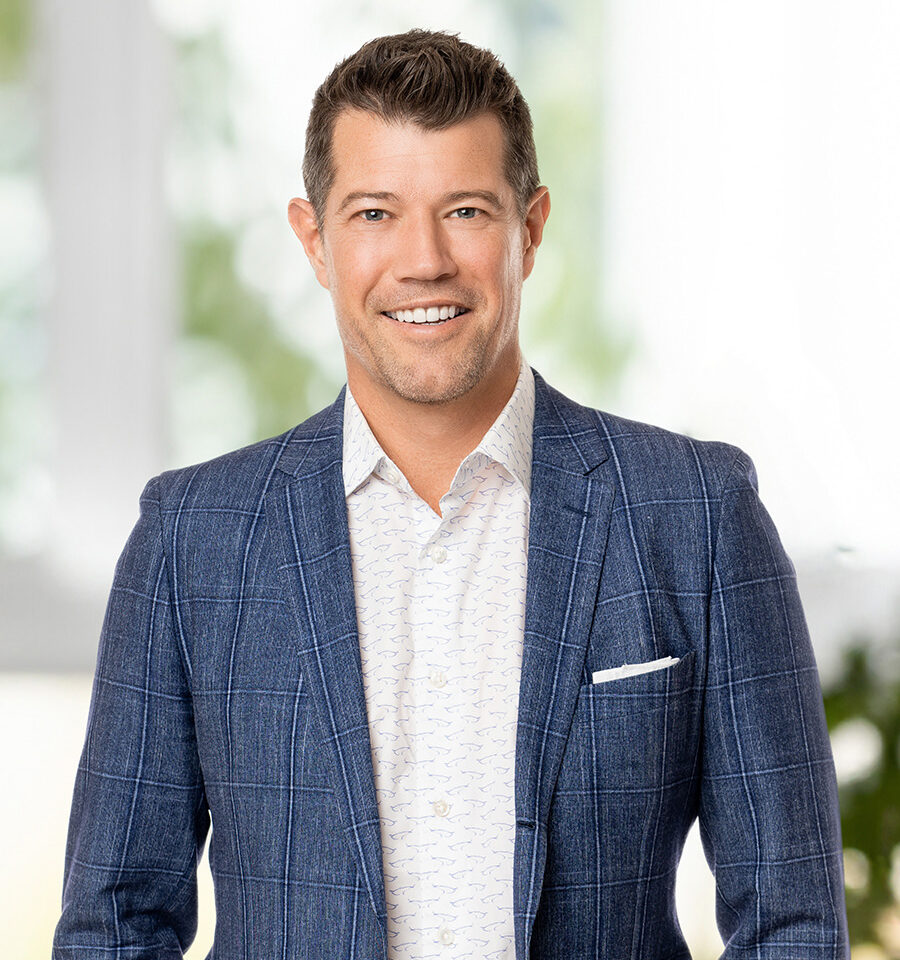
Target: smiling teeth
{"points": [[425, 315]]}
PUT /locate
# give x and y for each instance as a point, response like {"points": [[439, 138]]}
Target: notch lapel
{"points": [[308, 522], [569, 519], [570, 513]]}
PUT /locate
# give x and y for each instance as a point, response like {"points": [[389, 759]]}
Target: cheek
{"points": [[353, 269], [494, 263]]}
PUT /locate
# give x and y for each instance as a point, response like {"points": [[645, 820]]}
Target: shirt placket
{"points": [[434, 612]]}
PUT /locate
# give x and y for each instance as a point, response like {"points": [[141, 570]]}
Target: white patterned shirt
{"points": [[440, 604]]}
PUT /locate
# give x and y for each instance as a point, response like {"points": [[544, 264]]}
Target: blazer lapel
{"points": [[308, 523], [569, 519]]}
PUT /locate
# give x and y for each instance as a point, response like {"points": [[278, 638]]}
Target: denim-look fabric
{"points": [[229, 685]]}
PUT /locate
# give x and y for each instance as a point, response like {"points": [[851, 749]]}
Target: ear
{"points": [[535, 218], [302, 218]]}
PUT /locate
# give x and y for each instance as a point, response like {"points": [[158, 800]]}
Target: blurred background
{"points": [[722, 259]]}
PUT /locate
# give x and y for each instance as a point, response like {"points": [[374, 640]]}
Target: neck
{"points": [[428, 441]]}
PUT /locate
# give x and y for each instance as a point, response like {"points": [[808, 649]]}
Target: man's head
{"points": [[434, 80], [423, 218]]}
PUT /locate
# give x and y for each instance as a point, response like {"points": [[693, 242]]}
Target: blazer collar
{"points": [[565, 429], [316, 442]]}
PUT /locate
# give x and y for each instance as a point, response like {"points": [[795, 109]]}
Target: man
{"points": [[383, 652]]}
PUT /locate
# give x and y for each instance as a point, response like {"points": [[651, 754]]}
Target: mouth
{"points": [[430, 316]]}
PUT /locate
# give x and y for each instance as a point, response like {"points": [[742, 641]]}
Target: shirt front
{"points": [[440, 603]]}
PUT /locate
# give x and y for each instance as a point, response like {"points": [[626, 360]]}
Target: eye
{"points": [[372, 216], [466, 213]]}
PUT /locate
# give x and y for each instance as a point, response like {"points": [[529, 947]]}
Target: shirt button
{"points": [[391, 475], [438, 554], [446, 936], [438, 678], [441, 808]]}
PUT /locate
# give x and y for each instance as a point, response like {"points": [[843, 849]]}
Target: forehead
{"points": [[369, 153]]}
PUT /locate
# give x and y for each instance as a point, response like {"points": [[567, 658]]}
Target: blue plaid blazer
{"points": [[229, 688]]}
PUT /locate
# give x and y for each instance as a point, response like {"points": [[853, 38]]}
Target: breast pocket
{"points": [[629, 764], [640, 693], [638, 733]]}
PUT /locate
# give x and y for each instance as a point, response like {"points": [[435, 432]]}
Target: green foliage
{"points": [[870, 807], [570, 321], [218, 307], [560, 72], [15, 37]]}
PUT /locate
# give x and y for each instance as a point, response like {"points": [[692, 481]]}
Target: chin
{"points": [[443, 388]]}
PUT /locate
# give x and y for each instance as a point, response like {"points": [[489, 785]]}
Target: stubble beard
{"points": [[411, 383]]}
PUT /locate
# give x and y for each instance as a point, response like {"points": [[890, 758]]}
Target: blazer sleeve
{"points": [[768, 809], [139, 815]]}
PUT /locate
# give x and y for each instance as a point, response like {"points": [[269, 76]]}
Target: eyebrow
{"points": [[488, 196], [367, 195]]}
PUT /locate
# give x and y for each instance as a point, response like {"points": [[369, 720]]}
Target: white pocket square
{"points": [[632, 669]]}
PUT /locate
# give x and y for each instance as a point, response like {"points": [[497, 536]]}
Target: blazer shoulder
{"points": [[651, 456], [645, 460]]}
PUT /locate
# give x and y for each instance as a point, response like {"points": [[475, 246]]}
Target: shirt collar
{"points": [[508, 441], [362, 452]]}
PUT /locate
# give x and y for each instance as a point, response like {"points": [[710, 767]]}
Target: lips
{"points": [[427, 315]]}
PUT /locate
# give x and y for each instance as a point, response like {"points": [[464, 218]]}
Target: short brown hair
{"points": [[433, 79]]}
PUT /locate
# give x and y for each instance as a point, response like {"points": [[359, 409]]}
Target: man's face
{"points": [[424, 254]]}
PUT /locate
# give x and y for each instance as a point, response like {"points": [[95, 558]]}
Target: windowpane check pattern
{"points": [[230, 686]]}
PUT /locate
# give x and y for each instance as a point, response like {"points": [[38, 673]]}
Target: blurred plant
{"points": [[24, 280], [868, 692], [15, 37], [559, 70], [223, 319], [218, 308]]}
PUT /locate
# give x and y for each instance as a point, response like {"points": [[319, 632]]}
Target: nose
{"points": [[423, 250]]}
